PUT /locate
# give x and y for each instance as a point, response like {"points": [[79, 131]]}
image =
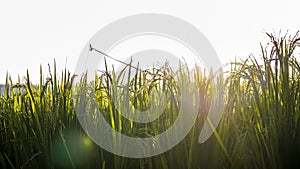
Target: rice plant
{"points": [[260, 127]]}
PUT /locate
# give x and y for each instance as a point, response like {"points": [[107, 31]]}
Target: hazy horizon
{"points": [[34, 33]]}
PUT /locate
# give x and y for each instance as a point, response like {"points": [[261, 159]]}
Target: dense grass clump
{"points": [[260, 127]]}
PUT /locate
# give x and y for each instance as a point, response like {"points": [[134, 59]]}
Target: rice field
{"points": [[260, 126]]}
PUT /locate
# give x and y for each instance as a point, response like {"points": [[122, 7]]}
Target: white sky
{"points": [[34, 32]]}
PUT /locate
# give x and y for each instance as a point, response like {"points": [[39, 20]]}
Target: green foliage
{"points": [[260, 127]]}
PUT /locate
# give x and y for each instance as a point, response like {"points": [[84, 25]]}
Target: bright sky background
{"points": [[35, 32]]}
